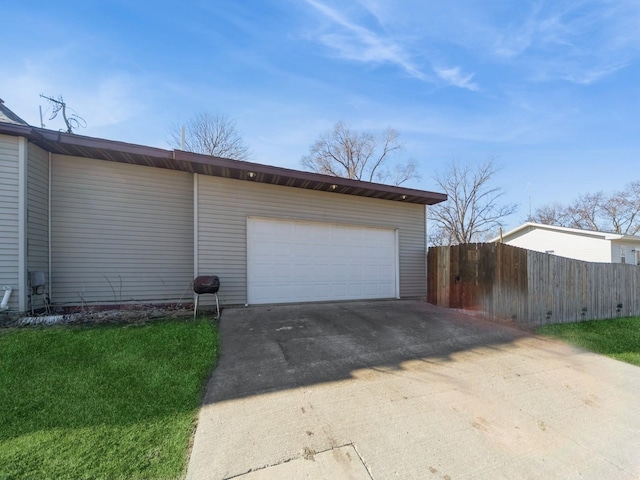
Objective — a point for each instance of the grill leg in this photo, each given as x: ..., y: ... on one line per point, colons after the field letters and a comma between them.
x: 217, y: 307
x: 195, y: 306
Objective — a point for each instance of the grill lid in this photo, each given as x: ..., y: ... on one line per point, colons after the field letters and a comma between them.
x: 206, y: 284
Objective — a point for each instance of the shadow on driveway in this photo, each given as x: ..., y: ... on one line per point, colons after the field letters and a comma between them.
x: 271, y: 348
x: 403, y: 389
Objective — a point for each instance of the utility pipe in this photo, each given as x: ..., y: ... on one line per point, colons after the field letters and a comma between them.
x: 5, y: 300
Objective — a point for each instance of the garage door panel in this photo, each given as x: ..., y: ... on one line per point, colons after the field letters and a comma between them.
x: 339, y: 289
x: 388, y: 292
x: 294, y: 261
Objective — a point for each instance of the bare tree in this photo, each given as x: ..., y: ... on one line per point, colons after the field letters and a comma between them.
x: 618, y: 212
x: 551, y: 214
x: 473, y: 210
x: 584, y: 211
x: 343, y: 152
x: 623, y: 210
x: 210, y: 134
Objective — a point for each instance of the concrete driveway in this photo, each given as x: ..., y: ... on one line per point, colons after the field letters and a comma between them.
x: 403, y: 389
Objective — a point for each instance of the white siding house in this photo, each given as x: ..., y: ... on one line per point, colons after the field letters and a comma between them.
x: 110, y: 223
x: 586, y: 245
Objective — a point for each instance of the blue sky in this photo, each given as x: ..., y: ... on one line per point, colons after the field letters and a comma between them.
x: 549, y: 88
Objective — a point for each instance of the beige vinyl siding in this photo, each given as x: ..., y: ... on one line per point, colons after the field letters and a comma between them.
x: 120, y: 233
x: 225, y: 204
x: 9, y: 214
x: 37, y: 214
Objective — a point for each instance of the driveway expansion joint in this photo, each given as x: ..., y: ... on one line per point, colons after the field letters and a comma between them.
x: 307, y: 454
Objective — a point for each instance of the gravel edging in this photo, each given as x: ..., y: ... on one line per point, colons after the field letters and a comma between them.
x: 96, y: 317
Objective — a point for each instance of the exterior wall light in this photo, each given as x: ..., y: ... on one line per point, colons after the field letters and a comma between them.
x: 251, y: 174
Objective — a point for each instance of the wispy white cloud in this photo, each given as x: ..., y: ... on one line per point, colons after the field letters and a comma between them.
x: 545, y: 120
x: 454, y: 76
x: 355, y: 42
x: 579, y: 41
x: 576, y: 41
x: 589, y: 76
x: 111, y: 100
x: 516, y: 38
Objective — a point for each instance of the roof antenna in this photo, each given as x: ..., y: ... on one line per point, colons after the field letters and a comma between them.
x: 73, y: 121
x: 42, y: 125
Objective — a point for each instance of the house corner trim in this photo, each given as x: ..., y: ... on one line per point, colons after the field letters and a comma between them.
x: 22, y: 224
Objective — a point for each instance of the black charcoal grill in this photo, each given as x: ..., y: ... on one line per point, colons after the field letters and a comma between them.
x: 206, y: 284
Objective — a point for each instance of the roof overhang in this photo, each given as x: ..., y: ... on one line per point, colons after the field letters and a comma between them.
x: 113, y: 151
x: 528, y: 226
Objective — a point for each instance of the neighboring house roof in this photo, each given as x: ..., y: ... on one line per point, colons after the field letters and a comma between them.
x: 89, y: 147
x: 7, y: 116
x: 574, y: 231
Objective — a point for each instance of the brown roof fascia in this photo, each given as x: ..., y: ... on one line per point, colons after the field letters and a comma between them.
x: 284, y: 176
x: 73, y: 140
x: 116, y: 151
x: 15, y: 129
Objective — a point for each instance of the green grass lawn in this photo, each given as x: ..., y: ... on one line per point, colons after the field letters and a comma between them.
x: 617, y: 338
x: 102, y: 401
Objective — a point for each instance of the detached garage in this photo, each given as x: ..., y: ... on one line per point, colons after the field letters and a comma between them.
x: 115, y: 223
x: 312, y: 238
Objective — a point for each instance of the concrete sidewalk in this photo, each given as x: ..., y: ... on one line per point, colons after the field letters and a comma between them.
x: 402, y: 389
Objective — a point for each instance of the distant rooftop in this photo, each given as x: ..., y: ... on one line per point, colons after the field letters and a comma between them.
x: 528, y: 226
x: 7, y: 116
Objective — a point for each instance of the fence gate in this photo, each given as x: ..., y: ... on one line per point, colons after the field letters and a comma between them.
x: 487, y: 277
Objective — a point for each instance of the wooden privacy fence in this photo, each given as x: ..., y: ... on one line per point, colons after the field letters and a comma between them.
x: 530, y: 287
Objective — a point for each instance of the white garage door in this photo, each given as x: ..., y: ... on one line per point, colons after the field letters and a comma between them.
x: 291, y: 261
